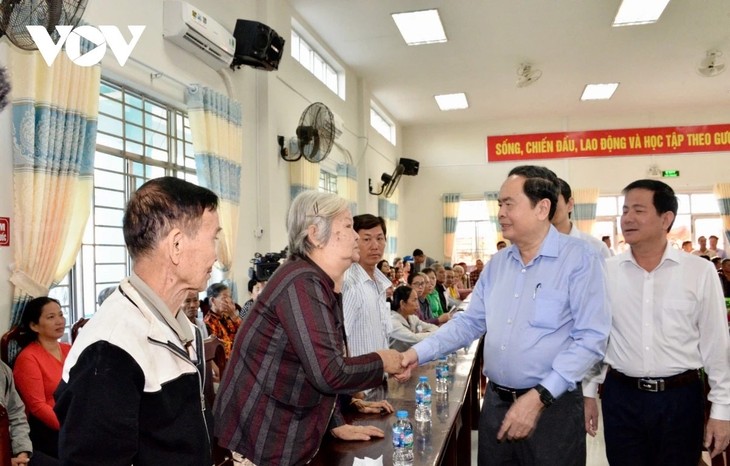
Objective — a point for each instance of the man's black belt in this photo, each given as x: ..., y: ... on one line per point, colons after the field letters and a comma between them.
x: 657, y: 384
x: 508, y: 394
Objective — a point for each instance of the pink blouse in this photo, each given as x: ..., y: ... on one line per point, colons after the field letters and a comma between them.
x: 37, y: 373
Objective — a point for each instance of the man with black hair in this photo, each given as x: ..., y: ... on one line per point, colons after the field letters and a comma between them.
x: 563, y: 213
x: 542, y: 302
x: 669, y: 322
x: 366, y: 310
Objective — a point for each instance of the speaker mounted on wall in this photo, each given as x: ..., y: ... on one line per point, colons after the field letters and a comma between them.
x: 257, y: 45
x: 410, y: 166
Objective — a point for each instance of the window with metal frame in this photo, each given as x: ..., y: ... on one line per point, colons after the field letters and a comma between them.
x: 138, y: 138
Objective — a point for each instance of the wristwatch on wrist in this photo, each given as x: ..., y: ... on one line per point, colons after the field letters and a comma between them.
x: 545, y: 396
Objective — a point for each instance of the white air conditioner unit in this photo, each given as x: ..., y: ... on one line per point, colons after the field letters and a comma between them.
x: 193, y: 30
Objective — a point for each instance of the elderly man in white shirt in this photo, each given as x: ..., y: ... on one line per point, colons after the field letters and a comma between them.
x: 668, y: 322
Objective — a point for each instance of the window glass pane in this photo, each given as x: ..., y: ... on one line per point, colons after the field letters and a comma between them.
x: 110, y: 107
x: 108, y: 217
x: 104, y: 197
x: 133, y: 115
x: 133, y: 132
x: 109, y: 179
x: 132, y: 100
x: 110, y: 273
x: 107, y: 124
x: 111, y: 254
x: 109, y: 235
x: 606, y: 206
x: 705, y: 203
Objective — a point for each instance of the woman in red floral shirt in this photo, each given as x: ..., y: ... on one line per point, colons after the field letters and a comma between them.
x: 222, y: 320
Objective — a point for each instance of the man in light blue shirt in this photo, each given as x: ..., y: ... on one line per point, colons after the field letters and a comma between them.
x: 542, y: 304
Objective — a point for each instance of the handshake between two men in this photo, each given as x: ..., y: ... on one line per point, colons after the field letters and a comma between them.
x: 399, y: 364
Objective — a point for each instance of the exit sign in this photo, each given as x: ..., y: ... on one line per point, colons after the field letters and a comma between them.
x: 670, y: 173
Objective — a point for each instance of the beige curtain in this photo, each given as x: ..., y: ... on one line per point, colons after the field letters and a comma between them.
x: 388, y: 209
x: 347, y: 184
x: 722, y: 193
x: 54, y: 120
x: 216, y: 125
x: 303, y: 175
x: 584, y: 210
x: 451, y: 216
x: 493, y: 212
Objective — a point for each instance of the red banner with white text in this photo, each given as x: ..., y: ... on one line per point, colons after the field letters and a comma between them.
x: 609, y: 143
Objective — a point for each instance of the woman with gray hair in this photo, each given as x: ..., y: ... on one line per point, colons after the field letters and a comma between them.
x: 278, y: 395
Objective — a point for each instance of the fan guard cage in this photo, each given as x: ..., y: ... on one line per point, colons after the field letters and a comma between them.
x: 316, y: 132
x: 15, y: 15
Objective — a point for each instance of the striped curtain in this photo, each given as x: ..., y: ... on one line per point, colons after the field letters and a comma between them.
x: 493, y: 212
x: 722, y: 193
x: 216, y: 125
x: 388, y: 209
x: 584, y: 210
x: 54, y: 119
x: 347, y: 184
x: 303, y: 176
x: 451, y: 216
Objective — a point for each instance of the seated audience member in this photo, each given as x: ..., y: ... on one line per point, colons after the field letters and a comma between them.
x: 465, y: 282
x: 255, y: 286
x: 384, y: 267
x: 397, y: 262
x: 419, y: 282
x: 607, y: 241
x: 453, y: 296
x: 408, y: 329
x: 717, y: 262
x: 474, y: 274
x: 501, y: 245
x: 408, y: 270
x: 714, y: 250
x: 440, y: 285
x: 39, y: 367
x: 20, y: 444
x: 222, y: 320
x: 103, y: 294
x: 687, y: 246
x: 398, y: 278
x: 432, y: 294
x: 725, y: 277
x: 190, y: 307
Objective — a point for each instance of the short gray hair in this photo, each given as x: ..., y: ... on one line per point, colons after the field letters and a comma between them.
x: 312, y: 208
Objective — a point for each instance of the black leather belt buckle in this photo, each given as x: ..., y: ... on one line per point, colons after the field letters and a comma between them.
x: 506, y: 395
x: 651, y: 385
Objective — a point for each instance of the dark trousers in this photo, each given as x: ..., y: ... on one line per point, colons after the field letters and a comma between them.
x: 648, y: 429
x: 558, y: 440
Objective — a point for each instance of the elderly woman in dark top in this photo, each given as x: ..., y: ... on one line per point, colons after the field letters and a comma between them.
x: 277, y: 399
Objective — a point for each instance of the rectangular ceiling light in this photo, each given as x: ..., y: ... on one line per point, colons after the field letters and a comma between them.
x: 633, y: 12
x: 452, y: 101
x: 420, y: 27
x: 599, y: 91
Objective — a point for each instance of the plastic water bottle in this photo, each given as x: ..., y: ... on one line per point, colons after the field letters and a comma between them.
x: 451, y: 361
x: 402, y: 440
x: 423, y: 400
x: 442, y: 406
x: 442, y: 376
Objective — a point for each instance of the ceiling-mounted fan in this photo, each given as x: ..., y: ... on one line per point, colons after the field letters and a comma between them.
x: 526, y: 75
x: 15, y: 15
x: 710, y: 65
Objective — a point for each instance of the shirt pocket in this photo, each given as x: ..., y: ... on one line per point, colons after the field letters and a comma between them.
x: 678, y: 316
x: 551, y: 309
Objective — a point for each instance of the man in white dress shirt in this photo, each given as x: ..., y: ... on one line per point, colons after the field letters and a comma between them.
x: 365, y: 308
x: 561, y: 220
x: 668, y: 322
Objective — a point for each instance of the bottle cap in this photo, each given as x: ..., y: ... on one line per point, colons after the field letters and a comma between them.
x: 402, y: 414
x: 423, y: 378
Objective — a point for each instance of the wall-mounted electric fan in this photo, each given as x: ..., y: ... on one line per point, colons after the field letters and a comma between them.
x: 15, y: 15
x: 315, y: 135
